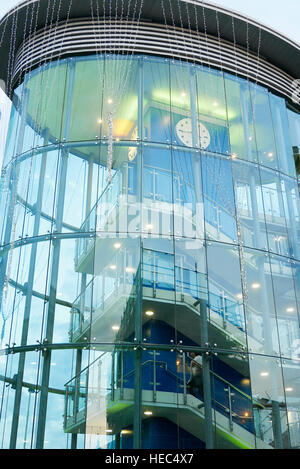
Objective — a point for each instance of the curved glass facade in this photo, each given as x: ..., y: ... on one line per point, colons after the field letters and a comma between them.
x: 149, y: 212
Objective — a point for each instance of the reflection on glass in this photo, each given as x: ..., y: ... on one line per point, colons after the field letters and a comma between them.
x: 149, y: 225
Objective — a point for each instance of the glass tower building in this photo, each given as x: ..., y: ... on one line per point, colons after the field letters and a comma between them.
x: 149, y: 229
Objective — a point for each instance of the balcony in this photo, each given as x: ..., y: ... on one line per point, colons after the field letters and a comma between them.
x: 104, y: 403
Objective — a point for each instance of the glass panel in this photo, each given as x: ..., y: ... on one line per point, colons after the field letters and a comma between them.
x: 85, y: 113
x: 183, y: 105
x: 46, y: 96
x: 291, y: 200
x: 290, y: 370
x: 157, y: 216
x: 294, y: 124
x: 158, y: 280
x: 262, y: 327
x: 16, y: 116
x: 264, y: 132
x: 163, y: 384
x: 281, y: 131
x: 240, y: 119
x: 219, y: 200
x: 249, y: 205
x: 212, y: 112
x: 110, y: 399
x: 115, y: 311
x: 226, y: 313
x: 187, y: 193
x: 232, y: 401
x: 157, y: 119
x: 191, y: 290
x: 114, y: 101
x: 269, y: 407
x: 285, y: 303
x: 274, y: 212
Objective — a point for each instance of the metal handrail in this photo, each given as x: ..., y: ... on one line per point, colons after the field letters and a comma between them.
x: 164, y: 364
x: 199, y: 290
x: 224, y: 381
x: 107, y: 187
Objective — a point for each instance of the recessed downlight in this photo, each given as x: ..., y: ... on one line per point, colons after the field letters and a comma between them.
x: 149, y: 313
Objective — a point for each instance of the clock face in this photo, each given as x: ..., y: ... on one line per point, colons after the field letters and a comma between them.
x: 184, y: 133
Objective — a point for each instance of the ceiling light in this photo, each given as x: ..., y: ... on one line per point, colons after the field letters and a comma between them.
x: 290, y: 310
x: 149, y: 313
x: 239, y: 296
x: 289, y: 389
x: 264, y: 373
x: 113, y: 267
x: 233, y: 156
x: 130, y: 270
x: 117, y: 245
x: 255, y: 285
x: 270, y: 155
x: 108, y: 430
x: 149, y: 226
x: 148, y: 412
x: 115, y: 328
x: 109, y: 100
x: 99, y: 121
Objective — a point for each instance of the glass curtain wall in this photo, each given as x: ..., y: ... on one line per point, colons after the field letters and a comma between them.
x: 149, y: 260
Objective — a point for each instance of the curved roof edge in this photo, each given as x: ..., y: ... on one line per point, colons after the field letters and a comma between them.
x: 248, y: 33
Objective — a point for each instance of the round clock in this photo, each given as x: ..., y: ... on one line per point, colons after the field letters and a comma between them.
x: 184, y: 133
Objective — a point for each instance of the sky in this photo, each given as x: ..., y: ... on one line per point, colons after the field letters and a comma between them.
x: 269, y: 12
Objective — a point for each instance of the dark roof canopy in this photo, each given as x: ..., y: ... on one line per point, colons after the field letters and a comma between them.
x: 247, y: 33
